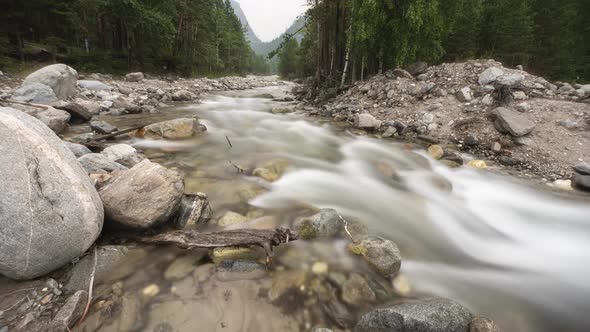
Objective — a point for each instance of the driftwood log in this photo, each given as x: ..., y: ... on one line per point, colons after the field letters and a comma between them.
x: 190, y: 239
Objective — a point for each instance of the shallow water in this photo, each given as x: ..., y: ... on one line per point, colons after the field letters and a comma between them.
x: 515, y: 253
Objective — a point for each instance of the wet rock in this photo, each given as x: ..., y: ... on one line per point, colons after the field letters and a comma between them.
x: 508, y: 161
x: 490, y: 75
x: 70, y: 312
x: 321, y: 329
x: 240, y: 270
x: 144, y: 196
x: 102, y: 127
x: 194, y: 210
x: 107, y: 258
x: 96, y: 163
x: 285, y: 282
x: 135, y: 77
x: 380, y: 253
x: 453, y: 157
x: 123, y: 154
x: 428, y: 315
x: 482, y: 324
x: 581, y: 182
x: 326, y: 223
x: 182, y: 95
x: 366, y: 121
x: 282, y: 110
x: 562, y: 184
x: 231, y: 218
x: 510, y: 80
x: 271, y: 170
x: 184, y: 265
x: 389, y: 132
x: 436, y: 152
x: 59, y: 77
x: 464, y: 95
x: 496, y: 147
x: 582, y: 168
x: 149, y: 292
x: 130, y: 318
x: 173, y: 129
x: 77, y: 149
x: 479, y: 164
x: 320, y: 268
x: 219, y: 255
x: 49, y: 185
x: 356, y: 291
x: 513, y: 123
x: 93, y: 85
x: 264, y: 96
x: 35, y: 93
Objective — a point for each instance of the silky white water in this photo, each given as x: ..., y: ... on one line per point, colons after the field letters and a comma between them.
x: 513, y: 252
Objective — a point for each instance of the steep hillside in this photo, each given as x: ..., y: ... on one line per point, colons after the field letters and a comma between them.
x: 250, y: 34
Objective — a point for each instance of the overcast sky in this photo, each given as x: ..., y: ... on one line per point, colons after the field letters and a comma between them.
x: 270, y: 18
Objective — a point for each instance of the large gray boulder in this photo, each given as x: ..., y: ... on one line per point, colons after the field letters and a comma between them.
x: 36, y: 93
x: 513, y: 123
x: 50, y: 211
x: 490, y: 75
x: 60, y: 78
x: 428, y: 315
x: 142, y: 197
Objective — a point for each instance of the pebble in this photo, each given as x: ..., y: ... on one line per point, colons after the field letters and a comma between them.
x: 319, y: 268
x: 150, y: 292
x: 402, y: 285
x: 479, y: 164
x: 183, y: 266
x: 356, y: 291
x: 436, y: 151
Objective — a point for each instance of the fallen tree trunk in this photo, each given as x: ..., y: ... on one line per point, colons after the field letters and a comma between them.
x: 190, y: 239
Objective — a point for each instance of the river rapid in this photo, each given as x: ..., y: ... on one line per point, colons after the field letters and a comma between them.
x: 507, y: 250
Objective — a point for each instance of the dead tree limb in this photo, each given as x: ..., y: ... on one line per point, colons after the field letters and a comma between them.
x: 25, y: 104
x: 190, y: 239
x: 90, y: 287
x: 113, y: 135
x: 238, y: 168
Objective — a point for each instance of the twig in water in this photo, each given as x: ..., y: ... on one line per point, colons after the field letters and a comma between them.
x: 240, y: 170
x: 17, y: 291
x: 346, y: 228
x: 229, y: 142
x: 90, y: 286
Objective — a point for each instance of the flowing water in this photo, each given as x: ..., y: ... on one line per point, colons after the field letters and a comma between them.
x: 512, y: 252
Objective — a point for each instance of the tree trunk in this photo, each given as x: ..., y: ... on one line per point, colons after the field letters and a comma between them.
x: 318, y: 69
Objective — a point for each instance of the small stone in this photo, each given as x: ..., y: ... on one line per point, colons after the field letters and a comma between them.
x: 95, y: 163
x: 479, y: 164
x: 582, y: 168
x: 102, y: 127
x: 519, y: 95
x: 150, y: 292
x: 464, y: 95
x: 356, y: 291
x: 471, y: 140
x: 219, y: 255
x: 183, y: 266
x: 523, y: 107
x: 382, y: 254
x: 389, y: 132
x: 366, y: 121
x: 326, y: 223
x: 496, y: 147
x: 436, y: 151
x: 402, y: 285
x: 581, y: 182
x: 229, y: 270
x: 70, y: 312
x: 123, y: 154
x: 231, y: 218
x: 562, y: 184
x: 482, y: 324
x: 286, y: 281
x: 319, y: 268
x: 130, y: 318
x: 487, y: 100
x: 507, y: 161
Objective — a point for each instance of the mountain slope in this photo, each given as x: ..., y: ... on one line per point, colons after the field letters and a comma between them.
x: 258, y: 46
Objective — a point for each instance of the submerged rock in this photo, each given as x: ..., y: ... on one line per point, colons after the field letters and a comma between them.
x: 107, y: 258
x: 231, y: 218
x: 326, y: 223
x: 144, y: 196
x: 428, y: 315
x: 173, y: 129
x: 59, y: 77
x: 380, y: 253
x: 70, y: 312
x: 46, y: 184
x: 356, y: 291
x: 482, y: 324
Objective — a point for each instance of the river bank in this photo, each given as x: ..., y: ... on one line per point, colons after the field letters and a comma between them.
x: 261, y: 169
x: 537, y: 131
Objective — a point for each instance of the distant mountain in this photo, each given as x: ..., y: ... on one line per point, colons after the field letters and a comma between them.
x: 250, y: 34
x: 260, y: 47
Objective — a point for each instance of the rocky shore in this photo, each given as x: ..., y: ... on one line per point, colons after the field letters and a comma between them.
x: 76, y: 217
x: 476, y: 113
